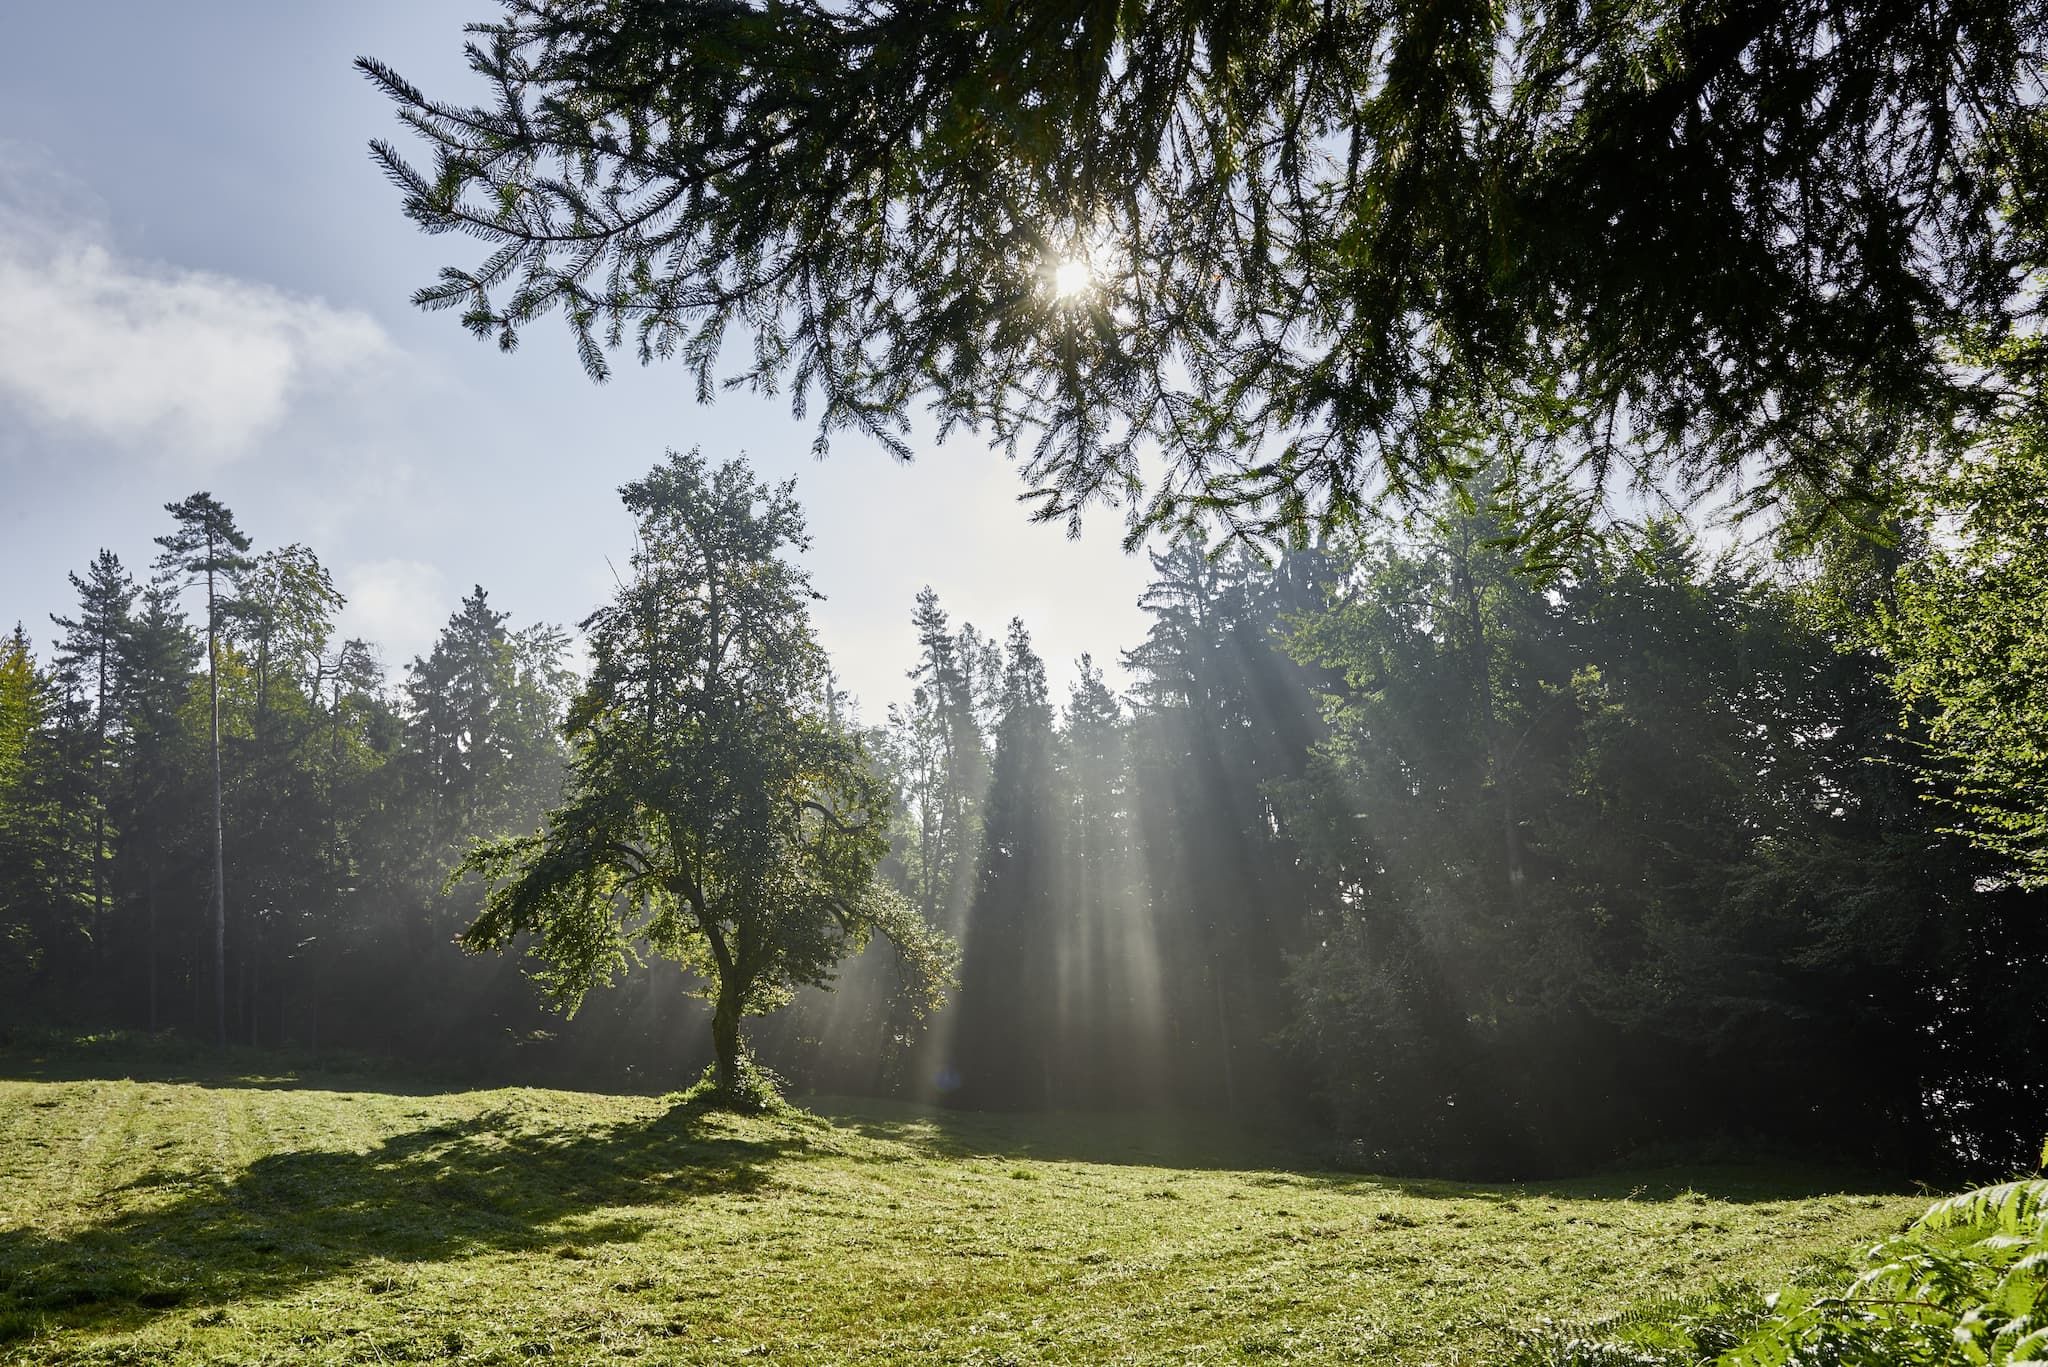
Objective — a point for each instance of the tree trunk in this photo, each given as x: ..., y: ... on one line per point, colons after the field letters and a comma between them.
x: 152, y: 945
x: 220, y: 881
x: 1229, y: 1071
x: 252, y: 956
x: 103, y: 940
x: 725, y: 1040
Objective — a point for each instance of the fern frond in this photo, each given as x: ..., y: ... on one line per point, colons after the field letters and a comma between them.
x: 2019, y: 1207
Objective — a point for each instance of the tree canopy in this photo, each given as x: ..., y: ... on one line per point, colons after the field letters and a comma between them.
x: 1313, y: 251
x: 716, y: 809
x: 1969, y: 635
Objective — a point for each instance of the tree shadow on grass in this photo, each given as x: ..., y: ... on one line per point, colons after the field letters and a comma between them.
x: 1727, y: 1183
x: 488, y: 1184
x: 1134, y: 1138
x: 1272, y: 1156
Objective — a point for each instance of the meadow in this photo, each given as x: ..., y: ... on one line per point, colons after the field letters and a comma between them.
x: 162, y: 1209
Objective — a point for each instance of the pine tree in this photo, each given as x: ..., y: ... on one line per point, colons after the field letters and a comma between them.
x: 1223, y: 720
x: 207, y: 547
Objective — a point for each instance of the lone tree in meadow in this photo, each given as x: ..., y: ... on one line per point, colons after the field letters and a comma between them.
x: 717, y: 811
x: 1313, y: 251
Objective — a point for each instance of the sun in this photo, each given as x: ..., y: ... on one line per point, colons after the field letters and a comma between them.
x: 1072, y: 277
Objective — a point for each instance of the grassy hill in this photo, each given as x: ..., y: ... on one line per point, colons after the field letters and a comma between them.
x: 198, y: 1215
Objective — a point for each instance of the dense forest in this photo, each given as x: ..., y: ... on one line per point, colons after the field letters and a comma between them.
x: 1473, y: 863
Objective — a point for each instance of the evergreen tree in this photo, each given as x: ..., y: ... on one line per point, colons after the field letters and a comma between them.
x: 452, y: 698
x: 90, y: 651
x: 45, y: 889
x: 1223, y: 718
x: 1611, y: 864
x: 278, y: 626
x: 1003, y: 1045
x: 1110, y: 1004
x: 1320, y: 244
x: 207, y: 547
x: 947, y: 732
x: 159, y: 662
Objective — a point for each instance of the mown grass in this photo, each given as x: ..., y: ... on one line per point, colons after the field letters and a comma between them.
x: 267, y: 1217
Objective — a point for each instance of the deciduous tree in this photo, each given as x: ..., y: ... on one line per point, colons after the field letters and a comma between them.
x: 716, y: 812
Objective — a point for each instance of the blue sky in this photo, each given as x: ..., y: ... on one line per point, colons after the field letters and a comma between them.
x: 203, y: 284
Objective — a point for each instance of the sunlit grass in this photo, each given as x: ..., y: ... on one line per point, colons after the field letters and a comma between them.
x: 279, y: 1219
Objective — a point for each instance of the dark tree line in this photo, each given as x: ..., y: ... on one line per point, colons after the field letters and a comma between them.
x: 1474, y: 866
x: 344, y: 798
x: 1480, y: 868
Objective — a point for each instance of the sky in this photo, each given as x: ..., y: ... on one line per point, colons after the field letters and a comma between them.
x: 204, y: 284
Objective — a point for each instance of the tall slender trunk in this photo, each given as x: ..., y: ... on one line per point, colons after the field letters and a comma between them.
x: 99, y: 812
x: 252, y: 974
x: 151, y: 894
x: 1228, y: 1068
x: 220, y: 878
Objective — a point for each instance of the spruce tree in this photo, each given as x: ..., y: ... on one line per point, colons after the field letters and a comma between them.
x: 1306, y: 253
x: 91, y: 649
x: 159, y: 657
x: 1005, y: 1038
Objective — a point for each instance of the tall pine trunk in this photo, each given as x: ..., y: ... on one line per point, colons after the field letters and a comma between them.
x: 99, y: 813
x: 220, y: 881
x: 152, y: 944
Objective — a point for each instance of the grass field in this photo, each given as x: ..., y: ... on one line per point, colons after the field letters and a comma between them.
x: 221, y: 1218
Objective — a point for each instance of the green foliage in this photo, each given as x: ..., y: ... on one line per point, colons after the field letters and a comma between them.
x: 716, y: 811
x: 753, y: 1089
x: 46, y: 843
x: 1965, y: 1285
x: 1327, y: 245
x: 1968, y: 639
x: 1221, y: 718
x: 1609, y: 863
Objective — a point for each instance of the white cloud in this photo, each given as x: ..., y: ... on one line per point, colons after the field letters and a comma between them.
x: 398, y: 606
x: 194, y: 362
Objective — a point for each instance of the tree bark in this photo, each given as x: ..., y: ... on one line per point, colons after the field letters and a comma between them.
x: 725, y: 1040
x: 220, y: 881
x: 152, y: 944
